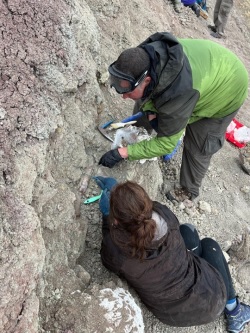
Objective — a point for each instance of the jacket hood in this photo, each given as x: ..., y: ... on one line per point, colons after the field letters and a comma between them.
x: 166, y: 59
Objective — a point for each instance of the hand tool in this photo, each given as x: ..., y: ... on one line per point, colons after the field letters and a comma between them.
x: 119, y: 125
x: 93, y: 199
x: 133, y: 117
x: 102, y: 130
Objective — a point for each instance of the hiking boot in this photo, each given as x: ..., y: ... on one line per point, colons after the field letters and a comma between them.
x: 212, y: 27
x: 238, y: 318
x: 180, y: 194
x: 217, y: 35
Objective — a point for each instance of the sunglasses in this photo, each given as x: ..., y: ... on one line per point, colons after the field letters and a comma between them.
x: 124, y: 83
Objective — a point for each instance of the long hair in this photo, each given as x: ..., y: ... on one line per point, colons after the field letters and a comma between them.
x: 131, y: 207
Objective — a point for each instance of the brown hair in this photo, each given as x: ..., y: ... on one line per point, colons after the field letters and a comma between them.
x: 133, y: 61
x: 132, y: 208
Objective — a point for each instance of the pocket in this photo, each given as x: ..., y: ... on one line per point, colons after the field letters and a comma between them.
x: 213, y: 143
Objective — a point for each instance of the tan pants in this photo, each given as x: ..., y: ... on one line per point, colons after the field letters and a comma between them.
x: 221, y: 12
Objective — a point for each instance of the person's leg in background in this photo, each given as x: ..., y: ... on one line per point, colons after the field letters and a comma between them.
x: 216, y: 14
x: 202, y: 139
x: 221, y: 13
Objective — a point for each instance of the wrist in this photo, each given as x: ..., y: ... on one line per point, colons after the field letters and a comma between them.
x: 123, y: 152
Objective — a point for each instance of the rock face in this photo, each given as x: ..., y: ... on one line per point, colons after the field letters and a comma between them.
x: 53, y: 93
x: 22, y: 261
x: 48, y: 56
x: 53, y: 87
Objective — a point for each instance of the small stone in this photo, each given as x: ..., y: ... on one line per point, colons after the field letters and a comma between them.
x: 245, y: 189
x: 182, y: 206
x: 204, y: 206
x: 190, y: 211
x: 227, y: 245
x: 82, y: 274
x: 2, y: 113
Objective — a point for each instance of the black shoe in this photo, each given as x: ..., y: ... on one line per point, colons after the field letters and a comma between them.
x: 217, y: 35
x: 180, y: 194
x: 212, y: 27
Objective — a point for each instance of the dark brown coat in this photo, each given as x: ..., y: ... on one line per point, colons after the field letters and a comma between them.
x: 180, y: 288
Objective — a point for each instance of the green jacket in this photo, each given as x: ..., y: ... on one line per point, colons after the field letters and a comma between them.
x: 194, y: 79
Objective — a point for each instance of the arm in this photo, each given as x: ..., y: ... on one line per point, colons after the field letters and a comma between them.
x: 173, y: 115
x: 157, y: 146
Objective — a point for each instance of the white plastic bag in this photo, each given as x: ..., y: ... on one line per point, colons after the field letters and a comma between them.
x: 125, y: 136
x: 129, y: 135
x: 242, y: 134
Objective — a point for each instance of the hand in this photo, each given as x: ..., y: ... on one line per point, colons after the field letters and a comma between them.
x: 105, y: 182
x: 123, y: 151
x: 104, y: 202
x: 110, y: 158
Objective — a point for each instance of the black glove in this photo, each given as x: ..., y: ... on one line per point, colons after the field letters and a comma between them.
x: 110, y: 158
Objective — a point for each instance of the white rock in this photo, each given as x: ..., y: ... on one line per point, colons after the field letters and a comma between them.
x: 204, y: 206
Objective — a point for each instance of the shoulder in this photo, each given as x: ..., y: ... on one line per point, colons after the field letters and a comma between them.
x: 165, y: 212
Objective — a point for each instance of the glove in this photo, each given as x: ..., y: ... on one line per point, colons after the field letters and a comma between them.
x: 105, y: 182
x: 104, y: 202
x: 110, y: 158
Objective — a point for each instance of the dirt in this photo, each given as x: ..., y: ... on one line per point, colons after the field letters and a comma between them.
x: 222, y: 209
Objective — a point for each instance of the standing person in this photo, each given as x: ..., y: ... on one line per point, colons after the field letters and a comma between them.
x: 221, y: 12
x: 190, y: 85
x: 183, y: 280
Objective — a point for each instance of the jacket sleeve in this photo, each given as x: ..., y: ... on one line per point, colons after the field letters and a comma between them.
x: 155, y: 147
x: 111, y: 255
x: 174, y: 113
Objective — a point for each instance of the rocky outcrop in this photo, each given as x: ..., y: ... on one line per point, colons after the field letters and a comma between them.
x: 48, y: 64
x: 53, y: 77
x: 53, y: 93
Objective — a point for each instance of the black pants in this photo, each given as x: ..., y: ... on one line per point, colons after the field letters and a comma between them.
x: 210, y: 250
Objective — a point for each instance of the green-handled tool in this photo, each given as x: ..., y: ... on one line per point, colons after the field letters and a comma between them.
x: 93, y: 199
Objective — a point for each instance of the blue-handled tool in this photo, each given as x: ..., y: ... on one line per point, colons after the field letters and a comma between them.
x: 107, y: 124
x: 102, y: 128
x: 127, y: 121
x: 133, y: 117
